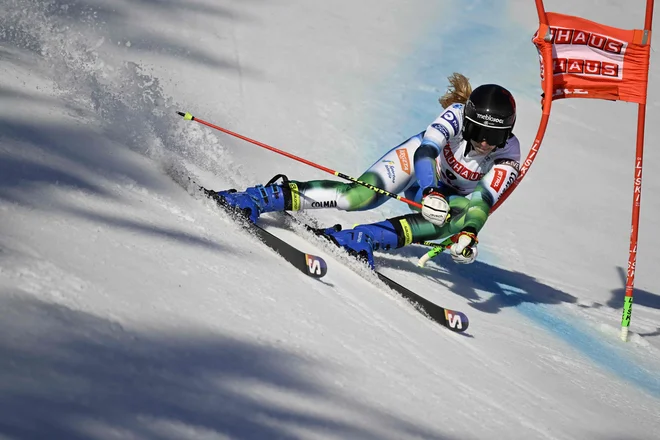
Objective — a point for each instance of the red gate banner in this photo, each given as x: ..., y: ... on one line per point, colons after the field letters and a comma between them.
x: 591, y: 60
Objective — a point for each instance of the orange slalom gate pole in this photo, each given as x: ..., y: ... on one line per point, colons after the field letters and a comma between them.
x: 637, y: 199
x: 543, y: 34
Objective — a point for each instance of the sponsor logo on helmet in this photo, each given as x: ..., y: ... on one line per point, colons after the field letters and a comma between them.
x: 490, y: 118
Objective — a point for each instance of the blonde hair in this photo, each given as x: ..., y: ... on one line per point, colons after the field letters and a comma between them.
x: 458, y: 91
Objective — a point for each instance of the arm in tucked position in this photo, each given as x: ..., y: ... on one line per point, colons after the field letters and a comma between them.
x: 468, y: 214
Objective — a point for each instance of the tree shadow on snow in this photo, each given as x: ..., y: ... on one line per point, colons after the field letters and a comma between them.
x: 115, y: 23
x: 38, y: 161
x: 487, y: 288
x: 89, y: 53
x: 68, y: 374
x: 90, y: 72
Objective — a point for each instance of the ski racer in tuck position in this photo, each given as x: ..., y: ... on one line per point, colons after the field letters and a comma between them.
x: 457, y: 168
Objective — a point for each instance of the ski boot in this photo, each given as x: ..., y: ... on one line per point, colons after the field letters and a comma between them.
x: 252, y: 202
x: 363, y: 240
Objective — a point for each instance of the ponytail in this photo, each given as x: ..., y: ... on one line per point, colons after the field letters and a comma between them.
x: 458, y: 91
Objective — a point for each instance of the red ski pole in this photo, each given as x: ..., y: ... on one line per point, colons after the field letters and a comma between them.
x: 189, y: 117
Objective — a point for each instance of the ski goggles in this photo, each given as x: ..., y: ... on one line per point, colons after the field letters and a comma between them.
x: 492, y: 135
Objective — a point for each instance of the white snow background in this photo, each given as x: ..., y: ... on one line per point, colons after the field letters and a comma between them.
x: 131, y: 310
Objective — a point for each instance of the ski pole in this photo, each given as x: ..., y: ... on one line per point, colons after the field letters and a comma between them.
x: 189, y: 117
x: 438, y: 248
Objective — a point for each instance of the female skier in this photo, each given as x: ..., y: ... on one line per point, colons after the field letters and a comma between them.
x: 457, y: 168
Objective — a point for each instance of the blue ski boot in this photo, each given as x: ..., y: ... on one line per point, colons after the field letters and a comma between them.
x: 363, y: 240
x: 254, y: 201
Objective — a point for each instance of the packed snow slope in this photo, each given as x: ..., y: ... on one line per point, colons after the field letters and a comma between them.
x: 131, y: 310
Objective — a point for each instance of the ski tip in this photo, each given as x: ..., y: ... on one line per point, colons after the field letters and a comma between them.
x: 456, y: 321
x: 316, y: 266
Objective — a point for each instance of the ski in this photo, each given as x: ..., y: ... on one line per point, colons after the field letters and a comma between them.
x: 316, y: 266
x: 452, y: 319
x: 311, y: 265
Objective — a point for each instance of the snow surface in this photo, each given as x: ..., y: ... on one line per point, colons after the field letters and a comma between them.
x: 131, y: 310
